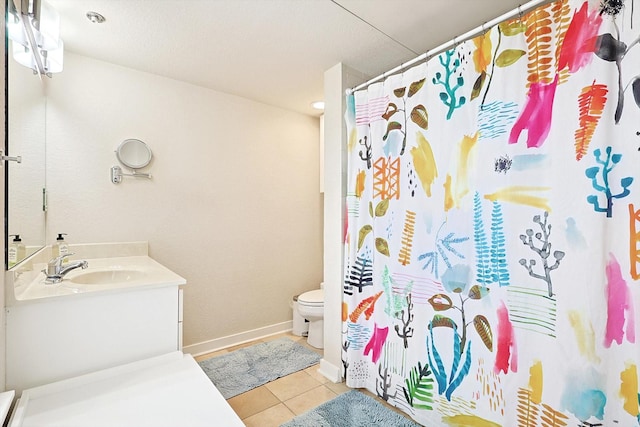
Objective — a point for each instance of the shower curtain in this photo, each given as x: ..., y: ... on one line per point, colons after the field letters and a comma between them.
x: 492, y: 251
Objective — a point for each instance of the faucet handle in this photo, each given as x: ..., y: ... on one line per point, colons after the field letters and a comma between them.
x: 58, y: 260
x: 54, y: 264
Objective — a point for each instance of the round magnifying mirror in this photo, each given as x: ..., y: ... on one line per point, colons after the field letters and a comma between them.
x: 134, y: 153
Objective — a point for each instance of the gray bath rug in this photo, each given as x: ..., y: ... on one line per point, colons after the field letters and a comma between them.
x: 250, y: 367
x: 351, y: 409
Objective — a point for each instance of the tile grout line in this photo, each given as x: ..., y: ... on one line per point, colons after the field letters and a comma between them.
x: 315, y: 388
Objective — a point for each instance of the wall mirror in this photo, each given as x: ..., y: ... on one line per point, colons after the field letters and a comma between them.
x: 25, y: 181
x: 134, y: 154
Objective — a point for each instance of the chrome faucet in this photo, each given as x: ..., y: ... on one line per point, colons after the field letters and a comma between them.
x: 55, y: 271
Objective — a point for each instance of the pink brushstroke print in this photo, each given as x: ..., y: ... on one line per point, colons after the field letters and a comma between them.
x: 618, y: 303
x: 580, y: 40
x: 536, y: 115
x: 507, y: 352
x: 372, y: 111
x: 376, y: 342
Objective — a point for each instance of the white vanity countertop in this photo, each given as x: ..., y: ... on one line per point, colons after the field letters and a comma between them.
x: 166, y: 391
x: 102, y: 275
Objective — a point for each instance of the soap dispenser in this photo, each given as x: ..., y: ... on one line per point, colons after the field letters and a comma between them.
x: 17, y: 250
x: 60, y: 247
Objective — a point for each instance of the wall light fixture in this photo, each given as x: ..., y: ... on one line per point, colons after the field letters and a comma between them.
x: 33, y: 27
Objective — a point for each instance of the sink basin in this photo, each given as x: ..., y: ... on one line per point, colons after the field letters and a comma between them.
x: 105, y: 277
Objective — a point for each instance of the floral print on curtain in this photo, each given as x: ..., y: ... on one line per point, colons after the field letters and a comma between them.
x: 492, y: 253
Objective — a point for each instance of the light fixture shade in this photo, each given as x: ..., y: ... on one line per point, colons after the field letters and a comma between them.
x: 35, y: 35
x: 43, y: 20
x: 15, y: 29
x: 23, y: 55
x: 53, y: 62
x: 49, y: 27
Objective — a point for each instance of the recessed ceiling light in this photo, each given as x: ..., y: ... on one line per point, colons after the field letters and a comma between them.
x: 318, y: 105
x: 95, y: 17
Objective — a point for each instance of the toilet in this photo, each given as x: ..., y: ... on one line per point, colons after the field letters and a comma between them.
x: 311, y: 307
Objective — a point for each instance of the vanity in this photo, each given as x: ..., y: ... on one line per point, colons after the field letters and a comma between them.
x: 124, y: 307
x: 102, y: 345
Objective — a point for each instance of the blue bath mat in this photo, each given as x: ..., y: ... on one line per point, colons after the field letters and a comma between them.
x: 351, y: 409
x: 250, y: 367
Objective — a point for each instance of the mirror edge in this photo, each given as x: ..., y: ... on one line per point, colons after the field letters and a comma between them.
x: 127, y: 163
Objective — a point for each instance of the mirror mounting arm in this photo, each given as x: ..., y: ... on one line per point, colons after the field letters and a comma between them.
x: 117, y: 174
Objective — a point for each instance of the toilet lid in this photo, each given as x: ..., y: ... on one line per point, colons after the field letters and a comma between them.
x: 315, y: 297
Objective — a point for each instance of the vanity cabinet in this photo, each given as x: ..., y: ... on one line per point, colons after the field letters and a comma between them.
x: 59, y: 338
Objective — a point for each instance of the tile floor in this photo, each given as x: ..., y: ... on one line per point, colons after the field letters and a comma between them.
x: 283, y: 399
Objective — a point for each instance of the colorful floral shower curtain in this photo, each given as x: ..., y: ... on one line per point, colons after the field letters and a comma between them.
x: 493, y: 243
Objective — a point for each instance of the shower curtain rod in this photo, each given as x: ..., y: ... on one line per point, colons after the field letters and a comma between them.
x: 456, y: 40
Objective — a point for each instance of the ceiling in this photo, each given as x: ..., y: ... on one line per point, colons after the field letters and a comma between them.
x: 270, y: 51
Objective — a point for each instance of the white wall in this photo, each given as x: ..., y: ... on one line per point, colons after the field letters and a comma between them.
x: 233, y: 206
x: 336, y: 80
x: 2, y: 123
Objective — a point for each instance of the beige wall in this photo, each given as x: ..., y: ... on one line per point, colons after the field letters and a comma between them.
x: 234, y: 203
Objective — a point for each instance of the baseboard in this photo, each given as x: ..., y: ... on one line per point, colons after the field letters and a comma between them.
x: 237, y: 339
x: 330, y: 371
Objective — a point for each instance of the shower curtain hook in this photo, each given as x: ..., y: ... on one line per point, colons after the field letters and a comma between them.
x: 520, y: 12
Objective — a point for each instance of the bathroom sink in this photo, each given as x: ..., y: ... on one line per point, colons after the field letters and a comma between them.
x: 129, y: 272
x: 105, y: 277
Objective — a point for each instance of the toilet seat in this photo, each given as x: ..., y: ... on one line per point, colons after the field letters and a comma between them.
x: 313, y: 298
